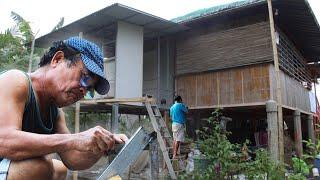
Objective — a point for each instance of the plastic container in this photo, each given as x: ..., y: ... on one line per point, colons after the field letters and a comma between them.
x: 317, y: 162
x: 201, y: 163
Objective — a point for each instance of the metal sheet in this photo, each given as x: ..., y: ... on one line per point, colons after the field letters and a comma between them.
x: 106, y: 17
x: 128, y: 154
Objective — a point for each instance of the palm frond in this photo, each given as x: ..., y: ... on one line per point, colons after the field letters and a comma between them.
x: 24, y: 27
x: 59, y: 25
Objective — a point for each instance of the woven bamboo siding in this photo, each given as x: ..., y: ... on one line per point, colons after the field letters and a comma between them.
x: 239, y: 46
x: 293, y: 93
x: 207, y: 89
x: 186, y: 86
x: 236, y: 86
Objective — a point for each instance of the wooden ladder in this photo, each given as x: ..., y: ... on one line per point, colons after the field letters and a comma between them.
x: 163, y: 134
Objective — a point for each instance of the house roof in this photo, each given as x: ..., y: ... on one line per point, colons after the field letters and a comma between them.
x: 295, y: 17
x: 198, y: 14
x: 103, y: 24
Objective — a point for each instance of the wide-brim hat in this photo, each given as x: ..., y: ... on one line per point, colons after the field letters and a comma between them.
x: 92, y: 58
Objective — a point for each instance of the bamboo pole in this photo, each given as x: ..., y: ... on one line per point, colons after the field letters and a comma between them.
x: 76, y: 130
x: 278, y: 83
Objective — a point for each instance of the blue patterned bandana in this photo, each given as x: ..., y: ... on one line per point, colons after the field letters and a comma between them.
x: 92, y: 58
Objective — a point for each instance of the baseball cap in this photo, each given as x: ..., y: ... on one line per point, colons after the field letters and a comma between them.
x: 92, y: 58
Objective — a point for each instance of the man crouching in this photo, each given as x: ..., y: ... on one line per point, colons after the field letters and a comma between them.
x: 32, y: 125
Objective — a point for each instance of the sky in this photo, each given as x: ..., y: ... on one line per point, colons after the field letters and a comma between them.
x: 44, y: 15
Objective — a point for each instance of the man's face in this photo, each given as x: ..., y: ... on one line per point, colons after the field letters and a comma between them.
x: 67, y: 81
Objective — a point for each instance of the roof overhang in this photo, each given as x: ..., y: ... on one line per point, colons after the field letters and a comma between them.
x: 300, y: 24
x: 102, y: 24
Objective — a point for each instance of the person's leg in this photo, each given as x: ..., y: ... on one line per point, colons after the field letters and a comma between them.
x: 174, y: 149
x: 60, y: 170
x: 177, y: 147
x: 36, y: 168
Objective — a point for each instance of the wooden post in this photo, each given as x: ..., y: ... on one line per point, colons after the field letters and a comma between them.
x: 311, y: 134
x: 115, y: 118
x: 297, y: 132
x: 271, y: 107
x: 158, y: 69
x: 167, y: 120
x: 278, y: 84
x: 154, y: 160
x: 76, y: 130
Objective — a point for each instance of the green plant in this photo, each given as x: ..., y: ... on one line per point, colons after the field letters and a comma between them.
x: 227, y: 160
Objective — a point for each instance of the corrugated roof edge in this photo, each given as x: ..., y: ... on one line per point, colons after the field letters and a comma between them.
x: 312, y: 13
x: 214, y: 10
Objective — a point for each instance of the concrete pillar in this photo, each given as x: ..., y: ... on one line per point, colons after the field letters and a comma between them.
x: 272, y: 118
x: 311, y: 134
x: 297, y: 132
x: 154, y: 160
x: 129, y: 60
x: 115, y: 118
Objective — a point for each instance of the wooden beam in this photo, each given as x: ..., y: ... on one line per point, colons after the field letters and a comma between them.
x: 311, y: 134
x: 228, y: 105
x: 271, y: 108
x: 115, y: 118
x: 117, y: 100
x: 278, y: 92
x: 297, y: 132
x: 158, y: 68
x: 218, y: 88
x: 242, y: 87
x: 76, y: 130
x: 293, y: 109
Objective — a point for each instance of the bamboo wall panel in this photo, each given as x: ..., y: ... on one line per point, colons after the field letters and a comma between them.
x: 206, y: 89
x: 230, y: 86
x: 293, y: 93
x: 256, y: 84
x: 186, y: 88
x: 249, y: 44
x: 243, y: 85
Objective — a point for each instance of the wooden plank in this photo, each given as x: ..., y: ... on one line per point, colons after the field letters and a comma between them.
x: 186, y: 88
x: 228, y: 105
x: 247, y: 84
x: 117, y: 100
x: 293, y: 93
x: 206, y: 89
x: 237, y: 86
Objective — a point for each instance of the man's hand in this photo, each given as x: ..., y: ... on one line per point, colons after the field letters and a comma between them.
x: 120, y: 138
x: 98, y: 140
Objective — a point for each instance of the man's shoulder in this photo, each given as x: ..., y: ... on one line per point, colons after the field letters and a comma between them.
x: 14, y: 80
x: 13, y: 74
x: 173, y: 106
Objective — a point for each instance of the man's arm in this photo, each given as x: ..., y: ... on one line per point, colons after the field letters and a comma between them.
x: 75, y: 159
x: 184, y: 108
x: 14, y: 143
x: 18, y: 145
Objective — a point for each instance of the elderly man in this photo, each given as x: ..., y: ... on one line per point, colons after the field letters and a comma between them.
x: 32, y: 125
